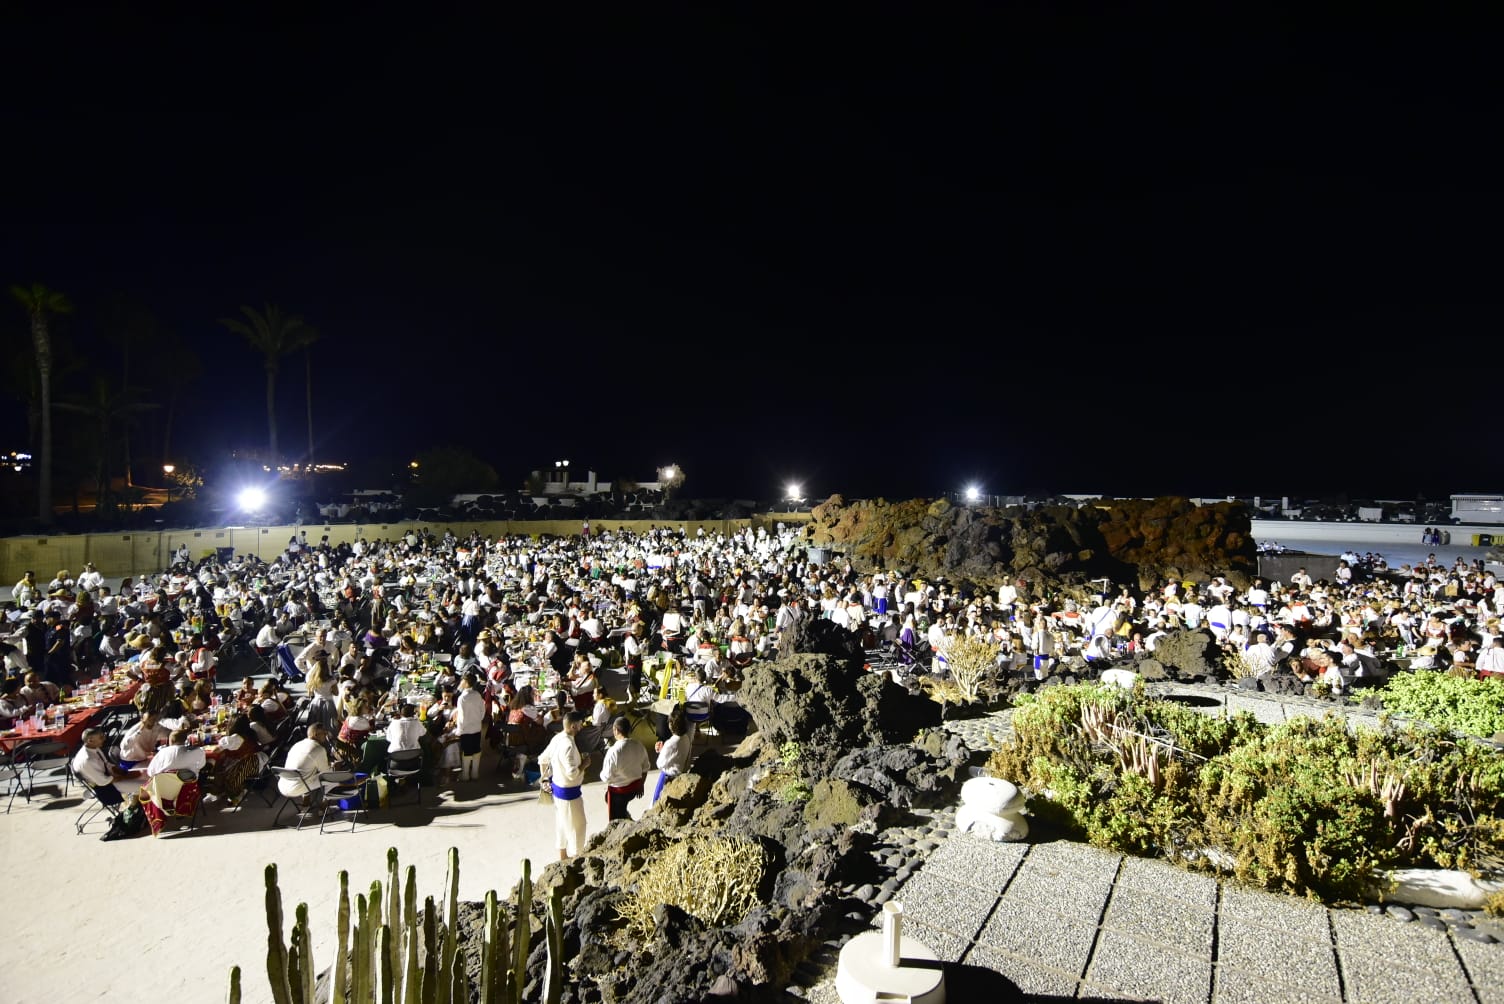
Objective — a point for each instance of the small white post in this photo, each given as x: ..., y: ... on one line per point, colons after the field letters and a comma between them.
x: 892, y: 933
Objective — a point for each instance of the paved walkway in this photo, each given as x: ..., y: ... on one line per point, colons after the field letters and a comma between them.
x: 1062, y: 920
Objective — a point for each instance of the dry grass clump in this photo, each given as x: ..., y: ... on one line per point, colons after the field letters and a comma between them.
x: 713, y: 878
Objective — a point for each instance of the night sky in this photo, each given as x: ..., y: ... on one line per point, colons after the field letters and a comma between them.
x: 884, y: 253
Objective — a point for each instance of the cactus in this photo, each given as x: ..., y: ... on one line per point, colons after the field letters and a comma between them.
x: 377, y: 956
x: 234, y: 997
x: 276, y: 949
x: 447, y: 962
x: 520, y: 937
x: 553, y: 977
x: 411, y: 982
x: 342, y: 949
x: 301, y: 967
x: 430, y: 953
x: 360, y: 963
x: 384, y: 951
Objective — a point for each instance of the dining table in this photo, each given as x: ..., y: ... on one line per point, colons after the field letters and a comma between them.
x: 83, y: 707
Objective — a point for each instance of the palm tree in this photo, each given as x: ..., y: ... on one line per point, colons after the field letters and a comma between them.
x: 274, y: 335
x: 109, y: 413
x: 41, y: 303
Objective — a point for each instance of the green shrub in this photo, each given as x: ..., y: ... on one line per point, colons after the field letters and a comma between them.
x: 1310, y: 806
x: 1470, y: 706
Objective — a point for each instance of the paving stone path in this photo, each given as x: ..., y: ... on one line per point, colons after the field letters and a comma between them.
x: 1058, y: 920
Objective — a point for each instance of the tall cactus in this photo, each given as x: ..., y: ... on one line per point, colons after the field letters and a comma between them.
x: 377, y: 958
x: 520, y: 937
x: 384, y: 951
x: 394, y: 912
x: 553, y: 976
x: 342, y: 947
x: 451, y: 922
x: 276, y: 948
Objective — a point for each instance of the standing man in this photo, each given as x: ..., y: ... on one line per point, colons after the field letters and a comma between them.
x: 469, y: 723
x: 563, y: 770
x: 624, y: 769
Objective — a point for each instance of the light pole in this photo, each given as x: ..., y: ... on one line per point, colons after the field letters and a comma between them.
x: 168, y: 470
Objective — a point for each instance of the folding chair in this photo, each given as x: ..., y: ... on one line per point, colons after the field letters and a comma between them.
x: 292, y: 774
x: 337, y: 785
x: 93, y: 806
x: 44, y: 758
x: 404, y: 764
x: 165, y: 791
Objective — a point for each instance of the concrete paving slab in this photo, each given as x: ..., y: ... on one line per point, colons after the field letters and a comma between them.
x: 1267, y: 711
x: 1164, y: 879
x: 1279, y: 953
x: 1372, y: 976
x: 1271, y: 910
x: 1236, y: 986
x: 1024, y: 972
x: 1173, y: 924
x: 944, y: 905
x: 1052, y: 939
x: 976, y: 862
x: 1130, y: 965
x: 1485, y: 968
x: 947, y: 945
x: 1408, y: 945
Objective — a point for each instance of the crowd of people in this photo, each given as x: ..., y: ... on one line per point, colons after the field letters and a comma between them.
x: 512, y: 643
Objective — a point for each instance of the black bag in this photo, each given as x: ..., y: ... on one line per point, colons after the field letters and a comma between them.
x: 130, y: 822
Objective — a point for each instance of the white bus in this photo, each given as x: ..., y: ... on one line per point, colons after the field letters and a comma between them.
x: 1478, y: 508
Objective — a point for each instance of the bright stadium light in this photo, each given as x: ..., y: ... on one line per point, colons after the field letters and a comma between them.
x: 973, y: 493
x: 793, y: 490
x: 251, y: 499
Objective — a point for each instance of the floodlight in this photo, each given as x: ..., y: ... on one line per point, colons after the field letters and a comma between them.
x: 251, y: 499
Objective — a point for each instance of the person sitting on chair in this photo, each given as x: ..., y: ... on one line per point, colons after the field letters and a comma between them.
x: 177, y: 755
x: 310, y: 758
x: 92, y: 766
x: 139, y: 743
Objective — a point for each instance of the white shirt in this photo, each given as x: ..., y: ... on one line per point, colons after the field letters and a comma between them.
x: 404, y: 734
x: 625, y: 762
x: 175, y: 758
x: 469, y: 711
x: 677, y: 751
x: 140, y: 743
x: 562, y: 762
x: 92, y: 767
x: 309, y: 759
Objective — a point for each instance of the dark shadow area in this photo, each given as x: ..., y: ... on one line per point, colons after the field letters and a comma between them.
x: 1192, y: 700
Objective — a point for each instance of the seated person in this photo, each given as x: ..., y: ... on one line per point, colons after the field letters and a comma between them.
x: 263, y: 734
x: 14, y: 707
x: 405, y: 731
x: 310, y: 758
x: 247, y: 694
x: 357, y: 725
x: 177, y: 755
x: 92, y: 766
x: 234, y: 761
x: 39, y: 692
x: 140, y: 742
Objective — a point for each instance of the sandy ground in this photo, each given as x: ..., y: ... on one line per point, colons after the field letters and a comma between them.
x: 164, y: 919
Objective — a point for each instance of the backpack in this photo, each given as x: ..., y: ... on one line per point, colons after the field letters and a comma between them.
x: 130, y: 822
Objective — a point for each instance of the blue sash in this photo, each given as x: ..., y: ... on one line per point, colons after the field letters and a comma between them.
x: 567, y: 794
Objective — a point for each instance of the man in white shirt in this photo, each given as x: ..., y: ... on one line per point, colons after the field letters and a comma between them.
x: 563, y: 768
x: 1260, y: 655
x: 177, y: 755
x: 310, y: 758
x: 139, y: 743
x: 624, y: 769
x: 1491, y: 659
x: 90, y: 579
x: 91, y: 766
x: 405, y: 732
x: 469, y: 720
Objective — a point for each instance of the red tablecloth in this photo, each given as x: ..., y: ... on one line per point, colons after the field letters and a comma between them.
x: 79, y: 718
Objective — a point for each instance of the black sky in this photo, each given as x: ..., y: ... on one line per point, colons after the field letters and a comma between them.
x: 883, y: 252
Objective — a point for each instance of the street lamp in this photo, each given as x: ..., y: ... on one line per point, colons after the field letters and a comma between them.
x: 168, y: 470
x: 793, y: 492
x: 973, y: 494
